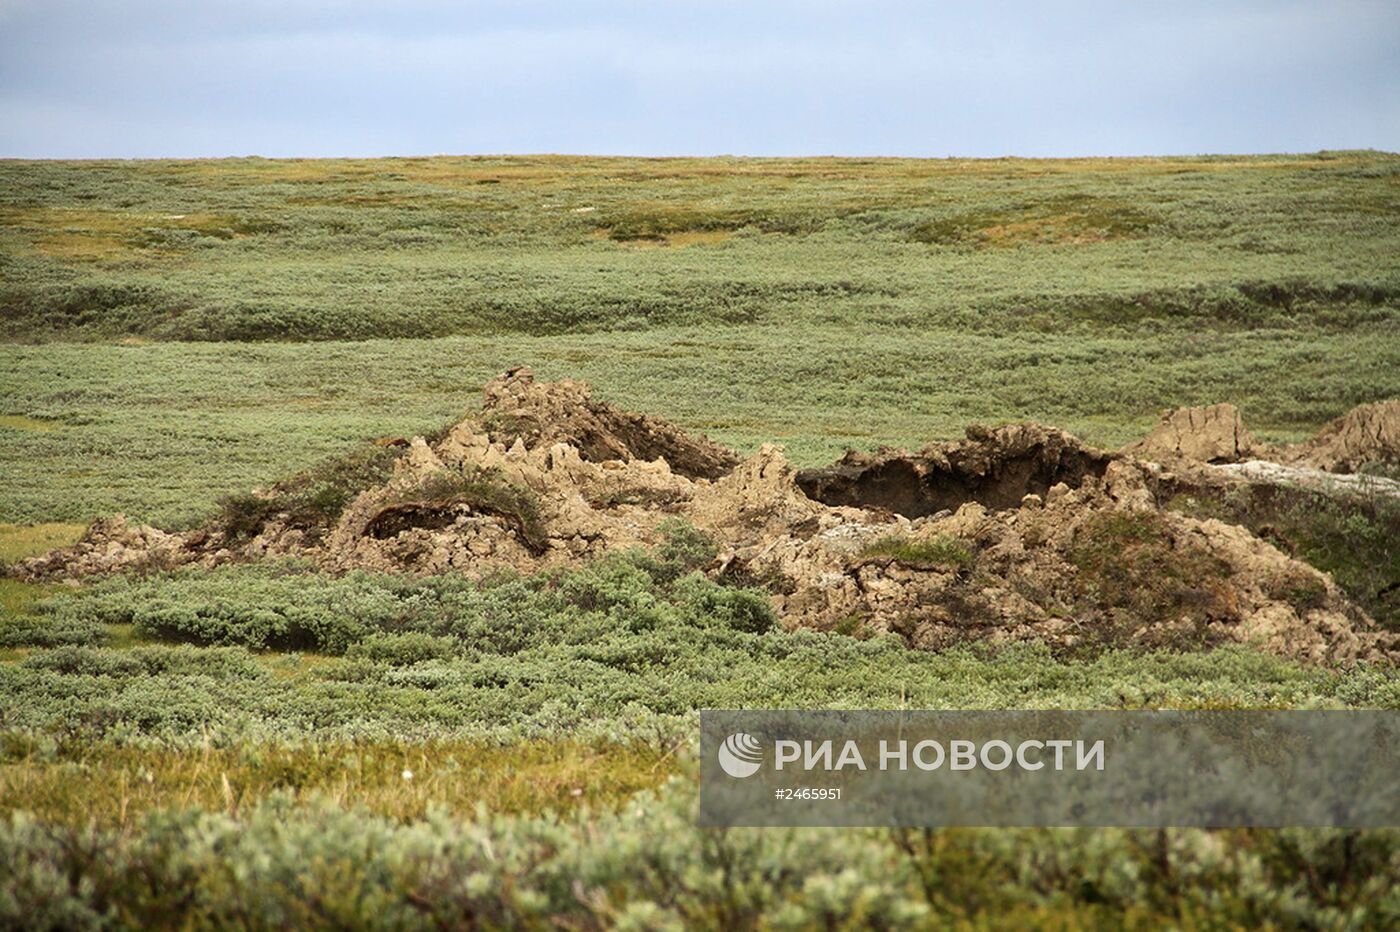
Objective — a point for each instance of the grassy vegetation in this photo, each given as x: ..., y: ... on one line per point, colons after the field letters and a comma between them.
x: 1089, y: 294
x: 649, y: 866
x: 260, y: 746
x: 163, y: 432
x: 18, y: 541
x: 117, y: 786
x: 936, y: 551
x: 246, y: 249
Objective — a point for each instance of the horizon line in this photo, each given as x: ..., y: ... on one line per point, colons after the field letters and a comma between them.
x: 714, y: 156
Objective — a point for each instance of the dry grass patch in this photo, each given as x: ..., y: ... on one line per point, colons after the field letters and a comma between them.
x: 21, y: 422
x: 18, y: 598
x: 87, y: 234
x: 18, y: 541
x: 1067, y: 220
x: 115, y: 786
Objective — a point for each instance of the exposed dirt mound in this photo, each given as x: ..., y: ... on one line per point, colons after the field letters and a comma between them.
x: 1366, y: 435
x: 1016, y: 532
x: 1089, y: 568
x: 995, y: 467
x: 112, y: 545
x: 545, y: 413
x: 1210, y: 434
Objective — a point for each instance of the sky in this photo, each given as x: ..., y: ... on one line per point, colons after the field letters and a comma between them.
x: 184, y: 78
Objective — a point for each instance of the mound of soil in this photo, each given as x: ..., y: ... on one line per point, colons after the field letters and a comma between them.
x: 545, y: 413
x: 1018, y: 532
x: 112, y: 545
x: 1210, y: 434
x: 1366, y: 435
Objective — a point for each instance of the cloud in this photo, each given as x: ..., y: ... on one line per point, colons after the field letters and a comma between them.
x: 162, y: 77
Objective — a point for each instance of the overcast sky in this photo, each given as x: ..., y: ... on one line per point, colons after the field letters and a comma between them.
x: 138, y: 78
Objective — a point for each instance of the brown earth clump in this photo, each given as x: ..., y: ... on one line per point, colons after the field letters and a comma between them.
x: 1366, y: 435
x: 1016, y: 532
x: 1209, y: 434
x: 112, y: 545
x: 545, y: 413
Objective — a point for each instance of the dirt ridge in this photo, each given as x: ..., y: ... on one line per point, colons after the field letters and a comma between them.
x: 1015, y: 532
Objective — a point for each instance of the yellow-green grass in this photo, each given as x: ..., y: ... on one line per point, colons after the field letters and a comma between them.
x: 18, y: 541
x: 115, y: 786
x: 937, y: 551
x: 21, y: 422
x: 18, y: 598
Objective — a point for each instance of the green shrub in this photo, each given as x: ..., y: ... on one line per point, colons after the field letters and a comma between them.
x: 321, y: 866
x: 703, y: 603
x: 684, y: 549
x: 224, y: 663
x: 312, y: 500
x: 287, y: 607
x: 49, y: 629
x: 403, y: 649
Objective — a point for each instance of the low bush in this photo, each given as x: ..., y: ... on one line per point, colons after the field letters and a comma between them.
x: 649, y: 866
x: 312, y: 500
x: 50, y: 630
x: 289, y: 607
x: 586, y: 674
x: 401, y: 650
x: 223, y: 663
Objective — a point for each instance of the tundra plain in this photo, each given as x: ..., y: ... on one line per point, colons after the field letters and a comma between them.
x: 518, y: 750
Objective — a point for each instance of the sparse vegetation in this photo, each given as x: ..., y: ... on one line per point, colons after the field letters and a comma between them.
x: 1131, y: 571
x: 1355, y: 538
x: 946, y: 552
